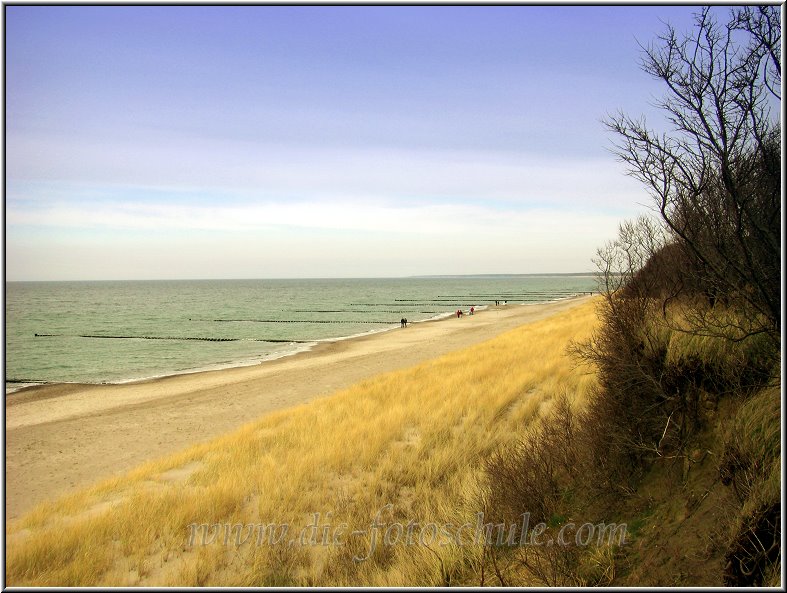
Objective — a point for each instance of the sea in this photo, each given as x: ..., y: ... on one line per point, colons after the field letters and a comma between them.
x: 121, y: 331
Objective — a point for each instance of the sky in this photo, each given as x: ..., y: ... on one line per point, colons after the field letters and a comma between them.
x: 155, y: 142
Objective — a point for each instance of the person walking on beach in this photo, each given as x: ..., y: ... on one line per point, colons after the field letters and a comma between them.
x: 401, y: 322
x: 405, y: 321
x: 472, y: 310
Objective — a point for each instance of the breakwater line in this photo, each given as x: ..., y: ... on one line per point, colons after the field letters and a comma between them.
x: 176, y: 338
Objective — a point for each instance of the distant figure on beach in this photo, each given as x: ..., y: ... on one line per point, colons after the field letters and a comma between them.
x: 472, y: 310
x: 401, y: 322
x: 405, y: 321
x: 458, y: 313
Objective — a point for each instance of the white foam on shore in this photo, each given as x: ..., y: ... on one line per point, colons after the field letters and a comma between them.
x: 301, y: 347
x: 297, y: 348
x: 14, y: 386
x: 220, y: 366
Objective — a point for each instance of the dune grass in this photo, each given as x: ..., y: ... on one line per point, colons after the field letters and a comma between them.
x: 754, y: 441
x: 402, y: 447
x: 714, y: 341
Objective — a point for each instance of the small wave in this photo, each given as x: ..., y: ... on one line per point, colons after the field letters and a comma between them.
x: 427, y: 304
x: 504, y: 295
x: 14, y: 385
x: 303, y: 321
x: 397, y: 311
x: 436, y: 317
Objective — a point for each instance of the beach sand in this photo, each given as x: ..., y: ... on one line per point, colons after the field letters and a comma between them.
x: 63, y: 437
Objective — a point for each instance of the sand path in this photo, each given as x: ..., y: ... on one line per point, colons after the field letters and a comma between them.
x: 63, y: 437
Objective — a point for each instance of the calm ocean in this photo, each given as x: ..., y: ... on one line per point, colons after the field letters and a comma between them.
x: 114, y: 331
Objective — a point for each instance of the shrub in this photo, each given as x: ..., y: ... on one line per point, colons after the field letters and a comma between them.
x: 533, y: 474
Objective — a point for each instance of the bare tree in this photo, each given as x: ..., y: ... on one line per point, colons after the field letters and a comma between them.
x: 715, y: 177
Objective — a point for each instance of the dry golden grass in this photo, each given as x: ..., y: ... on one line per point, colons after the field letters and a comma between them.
x: 716, y: 338
x: 414, y: 439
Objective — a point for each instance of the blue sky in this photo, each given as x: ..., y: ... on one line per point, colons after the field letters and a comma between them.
x: 261, y: 141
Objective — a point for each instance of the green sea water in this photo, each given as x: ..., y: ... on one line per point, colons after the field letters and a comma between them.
x: 115, y: 331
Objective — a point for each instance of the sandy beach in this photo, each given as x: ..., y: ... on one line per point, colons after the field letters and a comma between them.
x: 63, y: 437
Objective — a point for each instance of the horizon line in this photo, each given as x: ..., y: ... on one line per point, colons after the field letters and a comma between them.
x: 418, y: 276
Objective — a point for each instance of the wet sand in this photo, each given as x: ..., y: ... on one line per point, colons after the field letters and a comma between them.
x: 63, y: 437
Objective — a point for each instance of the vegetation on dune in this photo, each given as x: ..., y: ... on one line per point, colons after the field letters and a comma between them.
x: 682, y: 429
x: 415, y: 439
x: 688, y: 349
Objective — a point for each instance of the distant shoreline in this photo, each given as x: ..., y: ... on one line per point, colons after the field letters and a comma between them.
x: 23, y: 386
x: 14, y: 388
x: 545, y: 275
